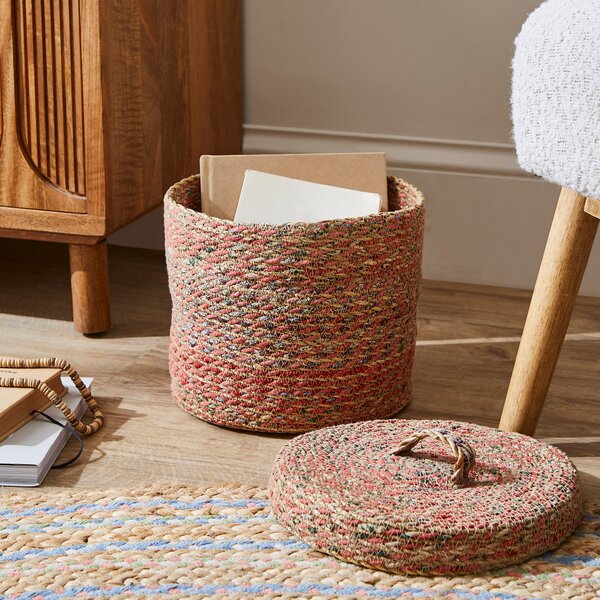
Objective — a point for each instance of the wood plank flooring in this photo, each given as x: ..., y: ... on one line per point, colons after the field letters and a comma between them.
x: 468, y: 337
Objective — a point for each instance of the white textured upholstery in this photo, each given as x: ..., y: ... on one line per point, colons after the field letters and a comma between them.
x: 556, y: 94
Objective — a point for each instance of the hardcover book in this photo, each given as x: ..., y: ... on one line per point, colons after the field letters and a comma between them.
x: 222, y: 176
x: 17, y: 404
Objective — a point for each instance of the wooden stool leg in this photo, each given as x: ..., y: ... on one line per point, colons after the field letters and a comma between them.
x: 565, y: 258
x: 89, y: 287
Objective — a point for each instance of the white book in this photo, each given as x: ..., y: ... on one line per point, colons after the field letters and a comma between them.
x: 27, y: 455
x: 274, y: 200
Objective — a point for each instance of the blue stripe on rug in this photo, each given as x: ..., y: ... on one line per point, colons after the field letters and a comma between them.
x: 207, y: 543
x: 261, y: 589
x: 571, y: 559
x: 150, y: 520
x: 177, y: 504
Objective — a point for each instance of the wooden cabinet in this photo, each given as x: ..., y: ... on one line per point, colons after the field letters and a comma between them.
x: 103, y: 105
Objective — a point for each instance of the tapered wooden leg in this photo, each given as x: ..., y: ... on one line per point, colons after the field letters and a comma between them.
x: 89, y: 287
x: 565, y: 258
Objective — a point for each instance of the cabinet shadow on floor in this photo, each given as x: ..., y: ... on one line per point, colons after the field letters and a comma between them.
x: 36, y: 283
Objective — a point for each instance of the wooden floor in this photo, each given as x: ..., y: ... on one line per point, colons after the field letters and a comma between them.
x: 468, y: 337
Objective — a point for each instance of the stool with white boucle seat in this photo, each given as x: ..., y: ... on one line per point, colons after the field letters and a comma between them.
x: 556, y: 117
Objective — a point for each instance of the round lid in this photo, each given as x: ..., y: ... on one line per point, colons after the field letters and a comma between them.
x: 427, y: 497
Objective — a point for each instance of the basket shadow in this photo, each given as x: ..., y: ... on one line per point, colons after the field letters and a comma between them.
x: 94, y: 445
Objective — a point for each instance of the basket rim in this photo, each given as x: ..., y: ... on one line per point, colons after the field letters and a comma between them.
x: 415, y: 194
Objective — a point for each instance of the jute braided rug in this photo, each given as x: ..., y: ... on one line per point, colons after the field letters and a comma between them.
x: 222, y: 542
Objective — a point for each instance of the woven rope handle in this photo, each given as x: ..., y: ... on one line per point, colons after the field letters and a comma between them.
x: 65, y: 367
x: 464, y: 452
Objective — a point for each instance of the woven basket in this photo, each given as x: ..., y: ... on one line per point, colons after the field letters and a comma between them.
x: 425, y: 497
x: 292, y: 327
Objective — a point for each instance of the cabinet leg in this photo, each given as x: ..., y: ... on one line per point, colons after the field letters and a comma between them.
x: 89, y: 287
x: 565, y: 258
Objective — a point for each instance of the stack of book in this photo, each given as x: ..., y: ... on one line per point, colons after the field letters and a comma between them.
x: 30, y: 444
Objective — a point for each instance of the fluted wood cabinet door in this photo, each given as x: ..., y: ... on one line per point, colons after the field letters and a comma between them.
x: 44, y: 119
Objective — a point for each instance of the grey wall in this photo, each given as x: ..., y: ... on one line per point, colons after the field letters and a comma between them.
x: 426, y: 68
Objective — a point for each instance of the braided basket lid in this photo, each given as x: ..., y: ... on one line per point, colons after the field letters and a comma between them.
x: 425, y: 497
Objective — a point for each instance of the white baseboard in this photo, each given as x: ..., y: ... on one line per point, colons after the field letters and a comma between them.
x: 423, y: 154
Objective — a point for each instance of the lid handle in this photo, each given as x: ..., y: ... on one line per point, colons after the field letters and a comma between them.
x: 464, y: 452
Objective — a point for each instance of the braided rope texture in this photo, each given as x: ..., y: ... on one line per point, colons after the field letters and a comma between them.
x: 292, y: 327
x: 464, y: 453
x: 342, y: 490
x: 223, y: 542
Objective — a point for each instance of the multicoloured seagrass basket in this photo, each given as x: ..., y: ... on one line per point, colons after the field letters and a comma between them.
x: 425, y: 497
x: 293, y: 327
